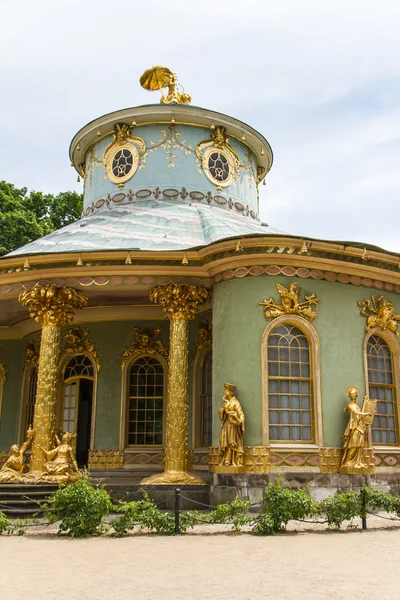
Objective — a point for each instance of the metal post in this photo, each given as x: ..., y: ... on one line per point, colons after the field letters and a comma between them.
x: 177, y: 510
x: 363, y: 510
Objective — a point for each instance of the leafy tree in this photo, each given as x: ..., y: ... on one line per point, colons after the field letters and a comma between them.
x: 25, y: 217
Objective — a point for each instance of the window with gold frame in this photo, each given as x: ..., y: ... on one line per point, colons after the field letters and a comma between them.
x: 381, y: 387
x: 290, y: 385
x: 145, y: 406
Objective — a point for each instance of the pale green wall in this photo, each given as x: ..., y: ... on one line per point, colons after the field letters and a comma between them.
x: 238, y: 325
x: 11, y: 353
x: 109, y: 340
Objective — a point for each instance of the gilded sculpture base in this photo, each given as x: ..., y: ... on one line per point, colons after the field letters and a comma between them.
x: 36, y: 477
x: 330, y: 459
x: 173, y: 478
x: 256, y: 459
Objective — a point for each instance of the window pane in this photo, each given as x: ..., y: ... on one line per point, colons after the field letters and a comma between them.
x: 289, y: 385
x: 145, y: 406
x: 381, y: 388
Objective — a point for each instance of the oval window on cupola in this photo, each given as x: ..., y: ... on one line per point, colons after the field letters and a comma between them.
x: 122, y: 164
x: 218, y: 166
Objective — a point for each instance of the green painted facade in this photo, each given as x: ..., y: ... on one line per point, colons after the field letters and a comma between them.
x: 238, y: 326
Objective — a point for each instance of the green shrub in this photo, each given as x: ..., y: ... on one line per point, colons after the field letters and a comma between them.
x: 280, y: 505
x: 4, y: 523
x: 80, y: 507
x: 376, y: 500
x: 143, y: 514
x: 343, y: 506
x: 234, y: 513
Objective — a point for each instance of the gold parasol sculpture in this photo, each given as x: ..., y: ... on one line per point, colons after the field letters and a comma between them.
x: 157, y: 78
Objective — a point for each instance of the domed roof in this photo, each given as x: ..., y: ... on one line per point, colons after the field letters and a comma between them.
x: 148, y: 225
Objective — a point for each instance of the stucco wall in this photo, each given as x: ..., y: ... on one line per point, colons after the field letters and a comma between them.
x: 238, y: 326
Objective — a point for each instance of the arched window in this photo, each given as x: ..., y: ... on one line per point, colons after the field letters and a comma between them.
x: 145, y: 402
x: 381, y: 387
x: 205, y: 408
x: 77, y: 402
x: 290, y: 385
x: 30, y: 399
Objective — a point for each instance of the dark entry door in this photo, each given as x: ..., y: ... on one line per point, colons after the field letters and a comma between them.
x: 84, y: 422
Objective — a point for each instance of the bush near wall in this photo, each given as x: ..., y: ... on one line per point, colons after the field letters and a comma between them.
x: 81, y: 510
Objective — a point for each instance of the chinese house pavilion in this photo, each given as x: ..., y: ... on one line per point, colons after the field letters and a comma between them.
x: 169, y: 309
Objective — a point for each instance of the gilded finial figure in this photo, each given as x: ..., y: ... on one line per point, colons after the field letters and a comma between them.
x: 60, y: 459
x: 232, y: 429
x: 15, y: 464
x: 290, y: 303
x: 379, y: 313
x: 157, y: 78
x: 355, y: 438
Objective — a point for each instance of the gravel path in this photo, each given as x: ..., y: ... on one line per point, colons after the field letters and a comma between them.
x: 296, y: 565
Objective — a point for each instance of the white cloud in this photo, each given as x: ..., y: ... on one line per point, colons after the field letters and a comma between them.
x: 318, y: 79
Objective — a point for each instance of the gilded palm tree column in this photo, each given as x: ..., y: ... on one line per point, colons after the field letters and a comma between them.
x: 53, y: 307
x: 180, y: 303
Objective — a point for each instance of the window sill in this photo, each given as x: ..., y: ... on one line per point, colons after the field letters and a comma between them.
x: 295, y: 447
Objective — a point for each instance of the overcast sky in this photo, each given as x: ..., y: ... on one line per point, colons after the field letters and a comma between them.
x: 320, y: 79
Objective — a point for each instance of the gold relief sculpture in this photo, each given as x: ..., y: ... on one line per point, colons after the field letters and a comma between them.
x: 330, y: 459
x: 3, y: 372
x: 290, y: 304
x: 77, y: 341
x: 53, y: 307
x: 145, y: 343
x: 379, y: 313
x: 355, y: 439
x: 106, y: 459
x: 61, y: 465
x: 157, y: 78
x: 15, y: 465
x: 216, y: 157
x: 180, y: 304
x: 204, y: 337
x: 122, y: 156
x: 32, y: 350
x: 232, y: 429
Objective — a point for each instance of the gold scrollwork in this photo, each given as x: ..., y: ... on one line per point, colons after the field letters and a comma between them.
x: 106, y: 459
x: 204, y: 337
x: 380, y: 313
x: 290, y: 303
x: 3, y: 373
x: 256, y: 459
x: 170, y: 141
x: 217, y: 158
x: 122, y: 156
x: 32, y: 351
x: 145, y: 343
x: 77, y: 340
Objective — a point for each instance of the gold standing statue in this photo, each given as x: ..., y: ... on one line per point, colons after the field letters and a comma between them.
x: 15, y: 465
x: 60, y: 459
x: 232, y: 429
x: 355, y: 438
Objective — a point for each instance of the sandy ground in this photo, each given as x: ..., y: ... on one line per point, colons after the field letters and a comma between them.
x: 295, y: 565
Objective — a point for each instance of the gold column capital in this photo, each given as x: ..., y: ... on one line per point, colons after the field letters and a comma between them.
x: 180, y: 301
x: 52, y: 305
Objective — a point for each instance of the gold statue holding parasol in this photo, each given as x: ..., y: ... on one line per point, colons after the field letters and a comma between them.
x: 157, y: 78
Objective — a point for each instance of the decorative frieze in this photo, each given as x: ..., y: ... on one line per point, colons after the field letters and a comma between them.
x: 330, y: 459
x: 105, y: 459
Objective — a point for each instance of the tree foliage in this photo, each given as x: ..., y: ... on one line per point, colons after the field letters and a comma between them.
x: 26, y: 216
